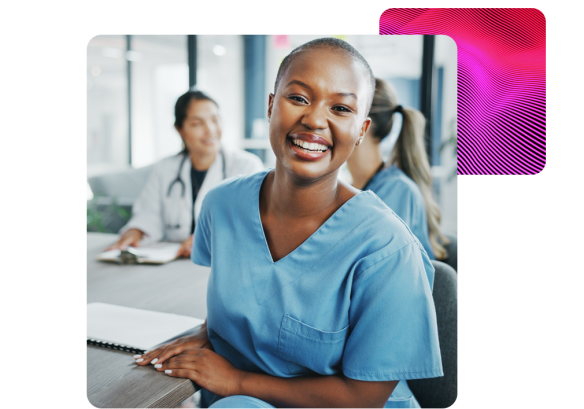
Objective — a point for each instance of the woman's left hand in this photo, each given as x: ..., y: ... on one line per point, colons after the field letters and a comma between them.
x: 207, y: 368
x: 185, y: 248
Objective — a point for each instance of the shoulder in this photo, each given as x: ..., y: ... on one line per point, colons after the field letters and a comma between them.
x: 393, y: 179
x: 238, y: 159
x: 380, y: 227
x: 170, y: 162
x: 385, y: 237
x: 166, y: 168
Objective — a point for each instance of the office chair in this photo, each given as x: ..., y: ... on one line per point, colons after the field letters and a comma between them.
x: 452, y: 250
x: 124, y: 185
x: 441, y: 392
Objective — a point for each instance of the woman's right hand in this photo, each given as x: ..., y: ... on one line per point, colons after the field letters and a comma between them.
x: 164, y: 352
x: 131, y: 238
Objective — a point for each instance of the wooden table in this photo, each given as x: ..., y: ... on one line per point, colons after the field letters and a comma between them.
x: 180, y: 287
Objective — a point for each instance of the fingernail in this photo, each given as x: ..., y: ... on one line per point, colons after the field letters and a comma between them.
x: 168, y: 371
x: 137, y: 356
x: 139, y: 360
x: 158, y: 366
x: 145, y: 352
x: 154, y: 361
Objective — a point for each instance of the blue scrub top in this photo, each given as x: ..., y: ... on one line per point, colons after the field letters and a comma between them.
x: 354, y: 298
x: 404, y: 197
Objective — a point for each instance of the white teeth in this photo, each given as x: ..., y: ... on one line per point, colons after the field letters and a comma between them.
x: 309, y: 146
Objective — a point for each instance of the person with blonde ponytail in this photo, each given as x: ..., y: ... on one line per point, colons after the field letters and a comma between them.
x: 404, y: 182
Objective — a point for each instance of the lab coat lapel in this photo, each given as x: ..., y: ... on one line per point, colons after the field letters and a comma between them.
x: 177, y: 208
x: 212, y: 179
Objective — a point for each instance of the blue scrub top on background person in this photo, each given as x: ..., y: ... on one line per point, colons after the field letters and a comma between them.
x: 404, y: 197
x: 355, y: 298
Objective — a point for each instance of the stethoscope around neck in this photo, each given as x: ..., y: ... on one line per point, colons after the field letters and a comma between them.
x: 183, y: 187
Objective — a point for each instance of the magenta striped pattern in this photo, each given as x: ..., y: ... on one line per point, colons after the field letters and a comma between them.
x: 501, y: 83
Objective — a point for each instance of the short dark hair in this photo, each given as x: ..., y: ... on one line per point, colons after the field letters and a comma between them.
x: 330, y: 43
x: 183, y: 102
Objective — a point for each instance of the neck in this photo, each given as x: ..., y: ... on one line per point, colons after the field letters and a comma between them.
x: 202, y: 161
x: 364, y: 162
x: 288, y: 196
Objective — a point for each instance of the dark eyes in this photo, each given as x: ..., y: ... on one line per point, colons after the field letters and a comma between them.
x: 339, y: 108
x: 297, y: 98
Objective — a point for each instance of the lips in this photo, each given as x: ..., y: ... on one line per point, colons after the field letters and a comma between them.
x: 309, y: 146
x: 310, y: 138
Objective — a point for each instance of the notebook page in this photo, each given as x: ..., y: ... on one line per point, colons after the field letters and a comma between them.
x: 153, y: 253
x: 134, y: 327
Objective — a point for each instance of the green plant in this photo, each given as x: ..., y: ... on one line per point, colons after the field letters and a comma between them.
x: 452, y: 141
x: 94, y: 217
x: 105, y: 215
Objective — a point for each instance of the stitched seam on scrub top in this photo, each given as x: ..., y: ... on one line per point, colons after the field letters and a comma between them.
x: 337, y: 243
x: 320, y: 341
x: 426, y: 371
x: 396, y: 215
x: 316, y: 329
x: 382, y: 259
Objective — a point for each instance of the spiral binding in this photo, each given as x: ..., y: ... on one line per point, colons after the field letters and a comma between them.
x: 111, y: 345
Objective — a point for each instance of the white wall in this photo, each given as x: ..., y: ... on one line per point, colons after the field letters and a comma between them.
x: 221, y: 76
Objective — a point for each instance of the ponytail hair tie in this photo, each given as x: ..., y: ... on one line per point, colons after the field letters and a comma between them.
x: 399, y: 109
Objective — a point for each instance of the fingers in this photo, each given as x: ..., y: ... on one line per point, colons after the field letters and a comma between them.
x: 185, y: 248
x: 184, y: 360
x: 149, y: 356
x: 121, y: 244
x: 159, y: 355
x: 145, y: 358
x: 164, y: 352
x: 182, y: 373
x: 180, y: 251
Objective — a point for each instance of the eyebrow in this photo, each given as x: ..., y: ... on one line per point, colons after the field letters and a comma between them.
x: 342, y: 94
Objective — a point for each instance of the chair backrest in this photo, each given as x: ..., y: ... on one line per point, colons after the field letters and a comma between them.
x: 125, y: 185
x: 441, y: 392
x: 452, y: 249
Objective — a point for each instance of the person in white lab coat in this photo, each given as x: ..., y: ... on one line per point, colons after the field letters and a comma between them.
x: 168, y: 207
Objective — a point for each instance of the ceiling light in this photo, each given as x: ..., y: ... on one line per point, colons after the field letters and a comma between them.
x: 219, y: 50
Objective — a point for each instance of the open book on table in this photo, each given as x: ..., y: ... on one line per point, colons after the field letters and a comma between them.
x: 132, y: 329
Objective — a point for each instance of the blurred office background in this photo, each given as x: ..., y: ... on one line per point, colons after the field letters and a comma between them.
x: 133, y: 83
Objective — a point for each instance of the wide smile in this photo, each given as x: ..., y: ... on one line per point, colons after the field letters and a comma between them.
x: 308, y: 147
x: 209, y: 141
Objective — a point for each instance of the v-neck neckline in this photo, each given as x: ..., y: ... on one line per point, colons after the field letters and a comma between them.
x: 290, y: 255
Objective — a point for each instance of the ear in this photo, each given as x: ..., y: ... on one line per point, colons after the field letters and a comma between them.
x: 364, y: 129
x: 179, y: 130
x: 270, y: 105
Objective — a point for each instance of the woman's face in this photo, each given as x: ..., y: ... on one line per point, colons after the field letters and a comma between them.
x: 201, y: 129
x: 319, y: 112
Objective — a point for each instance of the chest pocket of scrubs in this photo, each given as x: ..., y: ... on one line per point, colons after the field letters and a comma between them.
x: 304, y: 346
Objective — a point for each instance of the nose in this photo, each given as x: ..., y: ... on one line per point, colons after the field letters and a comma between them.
x: 209, y: 129
x: 315, y: 117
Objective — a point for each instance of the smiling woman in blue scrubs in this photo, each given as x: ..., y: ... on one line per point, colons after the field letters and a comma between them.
x: 404, y: 183
x: 319, y: 295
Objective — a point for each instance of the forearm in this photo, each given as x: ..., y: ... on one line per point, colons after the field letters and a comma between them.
x: 318, y: 391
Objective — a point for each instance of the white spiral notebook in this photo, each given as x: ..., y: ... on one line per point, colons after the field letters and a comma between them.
x: 132, y: 329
